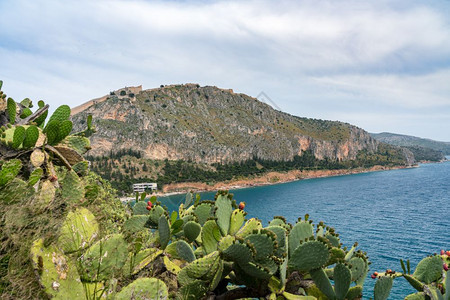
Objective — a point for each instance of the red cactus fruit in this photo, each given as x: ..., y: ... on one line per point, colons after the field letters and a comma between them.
x: 53, y: 178
x: 241, y: 206
x: 375, y: 273
x: 373, y: 276
x: 149, y: 203
x: 442, y: 252
x: 148, y: 207
x: 445, y: 266
x: 448, y: 252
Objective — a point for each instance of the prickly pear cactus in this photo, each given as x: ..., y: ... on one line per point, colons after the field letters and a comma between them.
x: 143, y: 289
x: 57, y: 273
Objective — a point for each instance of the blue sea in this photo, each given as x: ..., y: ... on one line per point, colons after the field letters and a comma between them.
x: 393, y: 214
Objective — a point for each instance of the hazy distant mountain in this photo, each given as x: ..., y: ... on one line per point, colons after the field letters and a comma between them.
x: 412, y: 141
x: 423, y: 149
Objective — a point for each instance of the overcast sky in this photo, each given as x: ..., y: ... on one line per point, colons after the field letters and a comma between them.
x: 381, y: 65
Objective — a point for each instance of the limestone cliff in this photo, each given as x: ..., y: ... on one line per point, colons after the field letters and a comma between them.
x: 208, y: 124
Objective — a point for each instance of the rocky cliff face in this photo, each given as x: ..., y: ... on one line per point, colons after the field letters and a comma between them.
x: 208, y: 124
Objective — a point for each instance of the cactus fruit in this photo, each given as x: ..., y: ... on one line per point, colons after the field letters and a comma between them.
x: 383, y: 287
x: 149, y: 205
x: 78, y: 231
x: 104, y: 259
x: 144, y: 288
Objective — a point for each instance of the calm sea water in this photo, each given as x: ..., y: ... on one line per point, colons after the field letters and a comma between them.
x: 391, y: 214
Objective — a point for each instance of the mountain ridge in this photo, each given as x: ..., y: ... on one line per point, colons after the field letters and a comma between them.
x: 213, y: 125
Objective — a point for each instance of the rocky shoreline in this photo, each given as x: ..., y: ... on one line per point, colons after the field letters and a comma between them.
x: 266, y: 179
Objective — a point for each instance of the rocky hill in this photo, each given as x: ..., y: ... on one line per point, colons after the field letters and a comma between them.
x: 212, y: 125
x: 412, y: 141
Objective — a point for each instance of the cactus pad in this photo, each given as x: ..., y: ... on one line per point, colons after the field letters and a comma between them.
x: 184, y: 251
x: 104, y: 259
x: 342, y: 278
x: 18, y: 137
x: 210, y: 236
x: 12, y: 110
x: 236, y: 221
x: 223, y: 213
x: 321, y: 280
x: 203, y: 211
x: 308, y: 256
x: 72, y: 188
x: 143, y: 289
x: 302, y: 231
x: 78, y: 231
x: 248, y: 227
x: 263, y: 244
x: 61, y: 114
x: 164, y: 231
x: 78, y: 143
x: 35, y: 176
x: 134, y: 264
x: 358, y: 266
x: 37, y: 158
x: 31, y: 137
x: 140, y: 208
x: 191, y: 230
x: 429, y: 269
x: 135, y: 224
x: 72, y: 156
x: 383, y: 288
x: 57, y: 273
x: 10, y: 169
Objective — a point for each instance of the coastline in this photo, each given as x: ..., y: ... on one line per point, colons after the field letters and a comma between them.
x: 269, y: 178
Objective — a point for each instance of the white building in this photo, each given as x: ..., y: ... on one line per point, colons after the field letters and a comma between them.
x: 141, y: 187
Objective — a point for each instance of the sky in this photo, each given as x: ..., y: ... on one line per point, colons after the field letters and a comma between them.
x: 381, y: 65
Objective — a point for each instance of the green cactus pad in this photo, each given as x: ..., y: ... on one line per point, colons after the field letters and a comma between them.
x: 223, y: 213
x: 414, y: 282
x: 263, y: 244
x: 81, y: 168
x: 78, y: 231
x: 236, y: 221
x: 202, y: 266
x: 26, y: 112
x: 27, y: 103
x: 143, y: 289
x: 154, y: 214
x: 176, y: 226
x: 135, y: 224
x: 217, y: 275
x: 78, y: 143
x: 19, y: 137
x: 289, y: 296
x: 280, y: 232
x: 355, y: 292
x: 188, y: 199
x: 51, y: 131
x: 248, y: 227
x: 72, y: 188
x: 194, y: 290
x: 342, y: 278
x: 417, y: 296
x: 61, y: 114
x: 429, y: 269
x: 10, y: 169
x: 104, y: 259
x: 210, y: 236
x: 321, y: 280
x: 203, y: 211
x: 308, y: 256
x: 12, y: 110
x: 191, y: 230
x: 334, y: 240
x: 358, y: 266
x: 349, y: 254
x: 335, y: 255
x: 31, y: 137
x: 64, y: 130
x: 382, y: 288
x: 164, y: 231
x: 140, y: 208
x: 225, y: 242
x: 136, y: 263
x: 35, y: 176
x: 56, y: 272
x: 302, y: 231
x: 184, y: 251
x: 256, y: 271
x: 239, y: 253
x: 16, y: 190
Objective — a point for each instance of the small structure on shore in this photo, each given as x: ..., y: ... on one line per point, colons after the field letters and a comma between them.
x: 142, y: 187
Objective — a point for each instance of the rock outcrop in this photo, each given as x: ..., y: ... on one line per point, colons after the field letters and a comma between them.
x: 208, y: 125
